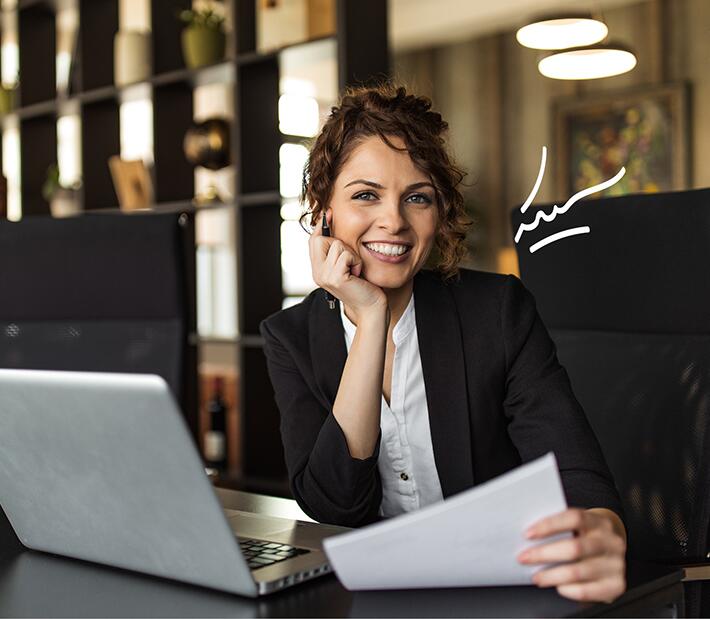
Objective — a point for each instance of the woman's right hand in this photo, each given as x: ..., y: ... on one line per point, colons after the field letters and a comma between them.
x: 336, y: 267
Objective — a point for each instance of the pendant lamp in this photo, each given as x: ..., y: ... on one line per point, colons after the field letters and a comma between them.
x: 560, y: 32
x: 588, y: 63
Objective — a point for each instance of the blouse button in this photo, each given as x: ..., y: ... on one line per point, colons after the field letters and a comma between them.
x: 403, y: 476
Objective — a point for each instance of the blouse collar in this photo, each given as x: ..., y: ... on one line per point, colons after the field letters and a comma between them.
x: 401, y: 330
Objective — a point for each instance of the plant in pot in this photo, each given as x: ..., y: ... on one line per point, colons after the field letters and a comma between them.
x: 7, y: 98
x: 63, y: 200
x: 203, y: 38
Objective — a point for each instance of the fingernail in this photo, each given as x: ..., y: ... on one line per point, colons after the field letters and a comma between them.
x: 523, y: 556
x: 530, y: 533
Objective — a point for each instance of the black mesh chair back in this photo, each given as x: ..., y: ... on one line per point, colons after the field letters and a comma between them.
x: 105, y: 292
x: 628, y: 306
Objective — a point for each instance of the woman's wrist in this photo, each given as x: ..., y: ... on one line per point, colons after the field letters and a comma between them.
x: 374, y: 316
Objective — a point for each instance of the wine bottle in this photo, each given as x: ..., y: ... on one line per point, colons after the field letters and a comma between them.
x: 215, y: 447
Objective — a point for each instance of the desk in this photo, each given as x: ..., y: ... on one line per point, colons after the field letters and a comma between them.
x: 36, y: 584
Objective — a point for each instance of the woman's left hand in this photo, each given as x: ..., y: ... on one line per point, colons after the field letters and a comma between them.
x: 594, y: 556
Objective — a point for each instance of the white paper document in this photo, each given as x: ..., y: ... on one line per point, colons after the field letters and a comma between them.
x: 470, y: 539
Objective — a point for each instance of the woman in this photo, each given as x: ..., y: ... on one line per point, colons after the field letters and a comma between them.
x: 422, y: 383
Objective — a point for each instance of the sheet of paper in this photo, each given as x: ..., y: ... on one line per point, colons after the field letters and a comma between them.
x: 470, y: 539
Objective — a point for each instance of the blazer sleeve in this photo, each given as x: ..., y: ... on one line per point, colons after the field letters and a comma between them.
x: 328, y: 483
x: 543, y: 412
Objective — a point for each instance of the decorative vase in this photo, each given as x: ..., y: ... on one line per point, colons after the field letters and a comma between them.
x: 64, y: 203
x: 206, y: 143
x: 131, y: 57
x: 202, y: 46
x: 7, y: 100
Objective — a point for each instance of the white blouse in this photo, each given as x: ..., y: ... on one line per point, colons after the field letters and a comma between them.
x: 406, y: 459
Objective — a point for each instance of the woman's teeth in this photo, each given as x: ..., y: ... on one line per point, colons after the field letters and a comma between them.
x: 387, y: 249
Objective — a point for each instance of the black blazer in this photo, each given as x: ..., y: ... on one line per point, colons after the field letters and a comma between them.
x: 496, y: 394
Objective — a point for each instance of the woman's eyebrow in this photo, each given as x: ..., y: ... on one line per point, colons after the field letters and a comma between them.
x: 378, y: 186
x: 364, y: 182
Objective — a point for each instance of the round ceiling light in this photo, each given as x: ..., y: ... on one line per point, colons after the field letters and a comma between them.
x: 587, y: 63
x: 562, y: 32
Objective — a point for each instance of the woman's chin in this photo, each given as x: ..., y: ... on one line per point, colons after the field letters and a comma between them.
x: 386, y: 280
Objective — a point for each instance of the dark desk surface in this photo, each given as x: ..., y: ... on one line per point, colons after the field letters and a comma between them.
x: 37, y: 584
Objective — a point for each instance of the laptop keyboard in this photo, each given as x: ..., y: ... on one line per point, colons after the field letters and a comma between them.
x: 259, y: 553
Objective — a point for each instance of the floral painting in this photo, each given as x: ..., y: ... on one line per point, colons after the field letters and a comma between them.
x: 642, y: 131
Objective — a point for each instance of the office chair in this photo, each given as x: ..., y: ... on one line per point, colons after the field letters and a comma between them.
x: 102, y: 292
x: 628, y: 307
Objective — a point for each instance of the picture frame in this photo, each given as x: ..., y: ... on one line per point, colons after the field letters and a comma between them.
x: 643, y: 129
x: 132, y: 182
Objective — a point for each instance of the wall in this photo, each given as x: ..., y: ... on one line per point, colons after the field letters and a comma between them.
x: 499, y: 106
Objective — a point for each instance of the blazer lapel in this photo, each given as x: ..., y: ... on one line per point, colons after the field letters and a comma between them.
x: 441, y: 351
x: 328, y: 349
x: 442, y: 357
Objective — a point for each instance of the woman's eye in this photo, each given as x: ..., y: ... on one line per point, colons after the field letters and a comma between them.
x: 364, y: 193
x: 421, y: 198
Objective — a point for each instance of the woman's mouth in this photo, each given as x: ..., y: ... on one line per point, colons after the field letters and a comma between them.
x: 389, y: 252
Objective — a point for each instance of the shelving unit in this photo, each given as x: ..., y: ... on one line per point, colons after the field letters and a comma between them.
x: 252, y: 78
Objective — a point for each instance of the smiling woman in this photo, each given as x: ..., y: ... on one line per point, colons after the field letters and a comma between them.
x: 426, y: 382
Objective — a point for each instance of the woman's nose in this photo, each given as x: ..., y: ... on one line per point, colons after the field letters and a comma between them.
x: 392, y: 216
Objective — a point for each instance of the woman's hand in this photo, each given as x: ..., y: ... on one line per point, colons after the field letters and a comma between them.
x: 595, y: 568
x: 337, y: 267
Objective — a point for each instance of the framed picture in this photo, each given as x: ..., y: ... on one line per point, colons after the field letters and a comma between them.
x: 644, y: 129
x: 132, y: 183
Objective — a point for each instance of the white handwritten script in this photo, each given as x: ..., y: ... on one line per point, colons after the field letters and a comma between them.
x: 556, y: 209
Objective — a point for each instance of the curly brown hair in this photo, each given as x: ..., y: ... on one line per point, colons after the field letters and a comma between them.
x: 388, y: 110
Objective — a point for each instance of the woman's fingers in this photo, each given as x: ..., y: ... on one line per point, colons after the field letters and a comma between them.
x: 347, y: 262
x: 593, y: 568
x: 593, y: 561
x: 604, y: 590
x: 570, y: 549
x: 569, y: 520
x: 335, y: 268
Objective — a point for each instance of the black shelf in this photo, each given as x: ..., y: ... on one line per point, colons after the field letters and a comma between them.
x: 182, y: 206
x: 38, y: 150
x: 193, y: 77
x: 100, y: 140
x: 166, y: 31
x: 25, y: 4
x: 253, y: 77
x: 172, y: 116
x: 257, y: 56
x: 45, y: 108
x: 37, y: 51
x: 99, y: 19
x: 259, y: 198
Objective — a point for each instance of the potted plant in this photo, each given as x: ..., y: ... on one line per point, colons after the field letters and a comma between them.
x: 7, y: 98
x: 63, y: 200
x: 131, y: 57
x: 203, y: 38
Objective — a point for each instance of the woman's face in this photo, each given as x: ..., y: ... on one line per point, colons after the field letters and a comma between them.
x: 382, y: 205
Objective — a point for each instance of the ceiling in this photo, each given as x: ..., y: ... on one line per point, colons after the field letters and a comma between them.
x: 427, y: 23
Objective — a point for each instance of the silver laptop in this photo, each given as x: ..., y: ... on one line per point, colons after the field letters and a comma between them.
x: 101, y: 467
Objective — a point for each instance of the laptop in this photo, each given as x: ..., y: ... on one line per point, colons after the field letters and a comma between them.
x: 101, y: 467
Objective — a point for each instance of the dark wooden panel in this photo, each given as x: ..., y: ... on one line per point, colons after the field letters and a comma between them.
x: 245, y: 20
x: 363, y: 53
x: 100, y: 140
x: 37, y: 49
x: 38, y: 150
x: 262, y: 451
x: 172, y: 115
x: 259, y: 139
x: 260, y: 272
x: 98, y: 21
x: 166, y: 28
